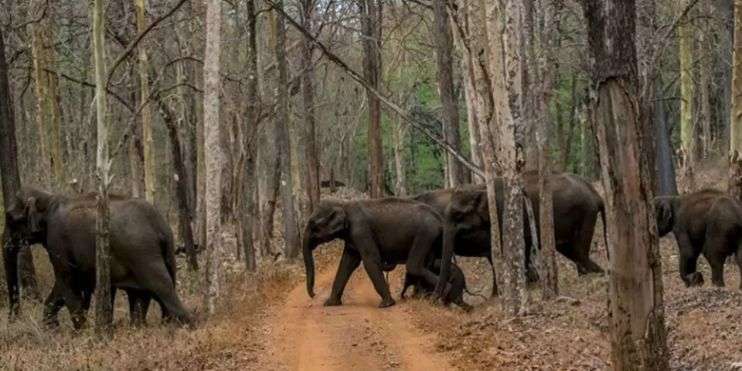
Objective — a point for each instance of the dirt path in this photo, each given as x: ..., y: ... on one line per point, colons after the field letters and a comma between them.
x: 304, y: 335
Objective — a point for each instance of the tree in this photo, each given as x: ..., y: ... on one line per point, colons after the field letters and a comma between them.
x: 147, y: 142
x: 735, y: 135
x: 638, y: 336
x: 103, y: 307
x: 11, y: 184
x: 687, y: 153
x: 444, y: 52
x: 370, y: 12
x: 290, y: 227
x: 311, y: 170
x: 213, y: 154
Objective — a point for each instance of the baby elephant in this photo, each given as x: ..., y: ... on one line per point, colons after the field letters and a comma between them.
x: 456, y: 279
x: 708, y: 222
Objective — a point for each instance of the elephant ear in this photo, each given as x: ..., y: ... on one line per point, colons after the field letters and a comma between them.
x: 34, y: 216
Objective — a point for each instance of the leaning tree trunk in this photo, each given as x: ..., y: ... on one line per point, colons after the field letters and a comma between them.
x: 103, y: 307
x: 735, y: 134
x: 290, y: 226
x: 214, y: 158
x: 638, y: 336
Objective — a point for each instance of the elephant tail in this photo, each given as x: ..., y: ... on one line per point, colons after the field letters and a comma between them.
x: 601, y: 210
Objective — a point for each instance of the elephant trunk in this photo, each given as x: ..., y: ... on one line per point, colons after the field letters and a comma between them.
x: 449, y: 237
x: 10, y: 257
x: 308, y: 261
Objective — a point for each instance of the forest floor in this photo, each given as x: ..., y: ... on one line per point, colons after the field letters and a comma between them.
x: 267, y: 322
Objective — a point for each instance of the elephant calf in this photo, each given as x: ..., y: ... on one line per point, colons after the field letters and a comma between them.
x: 376, y: 232
x: 454, y: 295
x: 707, y: 222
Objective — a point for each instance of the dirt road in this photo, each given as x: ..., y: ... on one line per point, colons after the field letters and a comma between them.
x: 304, y: 335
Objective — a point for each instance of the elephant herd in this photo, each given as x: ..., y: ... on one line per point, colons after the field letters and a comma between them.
x: 421, y: 232
x: 425, y: 231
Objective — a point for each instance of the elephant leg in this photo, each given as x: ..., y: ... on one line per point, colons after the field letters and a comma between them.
x: 75, y: 300
x: 52, y: 305
x: 416, y: 264
x: 581, y: 247
x: 688, y: 258
x: 349, y: 261
x: 495, y: 291
x: 138, y: 306
x: 407, y: 283
x: 157, y: 283
x: 372, y: 263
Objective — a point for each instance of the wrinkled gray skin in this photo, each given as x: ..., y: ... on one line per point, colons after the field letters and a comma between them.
x: 467, y: 221
x: 143, y: 259
x: 387, y: 230
x: 707, y: 222
x: 455, y: 294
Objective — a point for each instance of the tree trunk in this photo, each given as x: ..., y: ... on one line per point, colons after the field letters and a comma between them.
x: 507, y: 95
x: 735, y: 134
x: 311, y: 170
x: 638, y: 336
x: 103, y: 307
x: 399, y: 132
x: 444, y: 49
x: 214, y: 157
x: 725, y: 9
x: 290, y: 227
x: 547, y: 71
x: 147, y: 142
x: 687, y: 154
x: 48, y: 114
x: 371, y: 11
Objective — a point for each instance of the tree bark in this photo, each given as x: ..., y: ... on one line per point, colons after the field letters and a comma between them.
x: 311, y: 170
x: 48, y: 113
x: 638, y: 336
x: 290, y: 227
x: 146, y: 114
x: 735, y: 135
x: 214, y: 157
x: 444, y: 49
x: 103, y: 307
x: 371, y: 11
x: 687, y: 154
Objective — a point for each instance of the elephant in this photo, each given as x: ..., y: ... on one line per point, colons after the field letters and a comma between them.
x: 142, y: 252
x: 707, y: 222
x: 376, y: 232
x: 466, y: 218
x: 455, y: 294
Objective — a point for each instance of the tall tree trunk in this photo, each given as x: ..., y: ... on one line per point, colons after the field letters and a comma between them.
x: 399, y: 132
x: 290, y: 227
x: 444, y: 49
x: 371, y: 11
x: 504, y: 60
x: 11, y: 184
x: 214, y: 157
x: 311, y: 170
x: 147, y: 142
x: 103, y: 307
x: 687, y: 155
x: 638, y: 336
x: 547, y: 71
x: 735, y: 135
x: 725, y: 9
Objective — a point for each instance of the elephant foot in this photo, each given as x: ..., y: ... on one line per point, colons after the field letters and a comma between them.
x: 465, y: 307
x: 387, y: 303
x: 333, y: 302
x: 694, y: 279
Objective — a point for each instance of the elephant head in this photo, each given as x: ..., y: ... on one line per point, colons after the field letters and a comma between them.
x: 25, y: 223
x: 467, y: 211
x: 664, y: 209
x: 328, y: 222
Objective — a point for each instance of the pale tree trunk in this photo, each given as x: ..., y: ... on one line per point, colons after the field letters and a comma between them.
x: 290, y: 227
x: 214, y: 157
x: 247, y: 214
x: 370, y: 11
x: 638, y: 336
x: 504, y: 60
x: 399, y: 133
x: 687, y: 154
x: 444, y: 49
x: 311, y: 170
x: 48, y: 114
x: 103, y: 308
x: 147, y: 143
x: 735, y: 134
x: 547, y: 71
